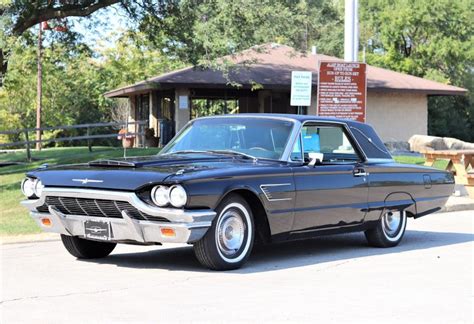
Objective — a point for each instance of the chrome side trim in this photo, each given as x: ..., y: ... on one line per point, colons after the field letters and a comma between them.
x: 268, y: 194
x: 172, y: 214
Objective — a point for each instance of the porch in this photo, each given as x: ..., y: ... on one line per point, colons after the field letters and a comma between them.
x: 167, y: 111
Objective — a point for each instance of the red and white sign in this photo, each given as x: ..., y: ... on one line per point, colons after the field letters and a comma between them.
x: 342, y: 90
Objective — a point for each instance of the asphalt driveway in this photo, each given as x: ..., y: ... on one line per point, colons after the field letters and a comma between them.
x: 428, y: 278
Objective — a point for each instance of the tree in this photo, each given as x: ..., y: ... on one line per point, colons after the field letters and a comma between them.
x: 18, y: 16
x: 199, y: 32
x: 430, y: 39
x: 29, y: 13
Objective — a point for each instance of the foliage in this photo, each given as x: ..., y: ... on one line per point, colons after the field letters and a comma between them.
x: 431, y: 39
x: 74, y: 79
x: 200, y: 32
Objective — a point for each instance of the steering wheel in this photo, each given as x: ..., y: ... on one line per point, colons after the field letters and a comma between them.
x: 258, y: 148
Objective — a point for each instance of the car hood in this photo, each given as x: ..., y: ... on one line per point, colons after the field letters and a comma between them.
x: 133, y: 173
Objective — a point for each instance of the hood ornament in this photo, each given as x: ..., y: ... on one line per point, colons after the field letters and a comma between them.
x: 86, y: 181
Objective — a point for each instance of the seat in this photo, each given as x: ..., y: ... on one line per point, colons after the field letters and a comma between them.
x: 311, y: 143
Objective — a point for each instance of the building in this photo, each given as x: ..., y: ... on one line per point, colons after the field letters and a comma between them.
x: 259, y: 80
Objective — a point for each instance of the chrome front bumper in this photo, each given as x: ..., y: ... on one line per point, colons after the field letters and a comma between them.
x: 188, y: 225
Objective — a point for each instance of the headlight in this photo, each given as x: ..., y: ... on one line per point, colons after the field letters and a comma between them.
x: 178, y: 196
x: 38, y: 189
x: 28, y: 187
x: 160, y: 195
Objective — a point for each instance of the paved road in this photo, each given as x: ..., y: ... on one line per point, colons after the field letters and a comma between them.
x: 332, y: 279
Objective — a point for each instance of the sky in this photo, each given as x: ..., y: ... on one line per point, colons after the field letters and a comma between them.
x: 112, y: 21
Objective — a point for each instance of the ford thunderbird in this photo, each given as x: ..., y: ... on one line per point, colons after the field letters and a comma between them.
x: 226, y: 182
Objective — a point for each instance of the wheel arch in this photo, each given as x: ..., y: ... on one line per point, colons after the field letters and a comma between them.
x: 258, y: 210
x: 402, y: 201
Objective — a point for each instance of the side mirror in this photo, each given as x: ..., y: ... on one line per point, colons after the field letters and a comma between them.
x: 315, y: 158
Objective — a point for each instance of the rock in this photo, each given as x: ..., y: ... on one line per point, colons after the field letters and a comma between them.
x: 432, y: 143
x: 397, y: 146
x: 424, y: 142
x: 455, y: 144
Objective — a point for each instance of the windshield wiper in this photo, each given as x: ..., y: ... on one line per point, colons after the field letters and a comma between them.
x: 221, y: 152
x: 232, y: 152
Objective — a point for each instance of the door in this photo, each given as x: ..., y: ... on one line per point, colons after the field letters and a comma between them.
x: 333, y: 192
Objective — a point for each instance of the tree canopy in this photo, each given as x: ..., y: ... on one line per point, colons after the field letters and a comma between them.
x: 431, y: 39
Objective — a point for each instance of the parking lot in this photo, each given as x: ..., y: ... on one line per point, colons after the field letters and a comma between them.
x: 428, y: 278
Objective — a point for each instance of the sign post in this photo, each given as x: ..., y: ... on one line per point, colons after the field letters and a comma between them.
x: 301, y: 89
x: 342, y: 90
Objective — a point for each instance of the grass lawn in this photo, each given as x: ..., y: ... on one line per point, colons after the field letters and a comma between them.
x: 440, y: 164
x: 14, y: 219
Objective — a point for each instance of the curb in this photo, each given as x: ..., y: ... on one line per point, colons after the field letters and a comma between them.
x: 457, y: 207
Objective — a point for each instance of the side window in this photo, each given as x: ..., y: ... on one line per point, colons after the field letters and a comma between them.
x: 329, y: 140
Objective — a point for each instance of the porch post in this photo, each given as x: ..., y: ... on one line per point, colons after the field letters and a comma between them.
x: 182, y: 111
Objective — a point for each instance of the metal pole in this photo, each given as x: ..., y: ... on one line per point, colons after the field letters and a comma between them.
x: 126, y: 133
x: 39, y: 89
x: 351, y: 30
x: 355, y: 31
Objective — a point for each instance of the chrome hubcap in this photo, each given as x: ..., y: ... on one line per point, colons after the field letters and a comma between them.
x: 391, y: 222
x: 230, y: 232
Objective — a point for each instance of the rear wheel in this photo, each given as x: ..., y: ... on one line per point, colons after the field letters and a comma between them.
x: 228, y: 242
x: 86, y: 249
x: 389, y: 230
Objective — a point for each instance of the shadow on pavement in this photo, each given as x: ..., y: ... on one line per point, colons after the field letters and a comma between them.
x: 288, y: 254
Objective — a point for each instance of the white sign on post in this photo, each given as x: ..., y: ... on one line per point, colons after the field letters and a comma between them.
x: 301, y: 88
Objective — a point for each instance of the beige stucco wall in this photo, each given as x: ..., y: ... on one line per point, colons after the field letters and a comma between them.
x: 397, y: 116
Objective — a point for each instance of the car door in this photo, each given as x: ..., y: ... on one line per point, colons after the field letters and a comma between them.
x: 333, y: 192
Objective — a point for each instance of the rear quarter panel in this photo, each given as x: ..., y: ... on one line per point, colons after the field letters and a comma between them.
x: 421, y: 190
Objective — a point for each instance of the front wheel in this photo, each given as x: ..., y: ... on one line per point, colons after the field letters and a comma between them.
x: 228, y: 242
x: 389, y: 230
x: 86, y: 249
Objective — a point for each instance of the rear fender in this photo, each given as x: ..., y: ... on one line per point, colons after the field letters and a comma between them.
x: 401, y: 201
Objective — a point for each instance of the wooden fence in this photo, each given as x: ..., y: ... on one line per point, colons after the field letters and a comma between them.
x: 27, y: 142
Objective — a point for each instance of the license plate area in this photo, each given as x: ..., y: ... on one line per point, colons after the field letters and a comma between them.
x: 97, y: 230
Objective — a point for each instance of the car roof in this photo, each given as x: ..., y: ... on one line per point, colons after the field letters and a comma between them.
x: 300, y: 118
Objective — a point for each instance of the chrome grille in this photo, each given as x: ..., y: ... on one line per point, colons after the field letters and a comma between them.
x: 95, y: 208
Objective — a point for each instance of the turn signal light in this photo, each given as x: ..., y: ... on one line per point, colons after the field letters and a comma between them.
x: 46, y: 222
x: 168, y: 232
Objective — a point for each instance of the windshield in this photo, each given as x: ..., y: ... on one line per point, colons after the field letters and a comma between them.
x: 256, y: 137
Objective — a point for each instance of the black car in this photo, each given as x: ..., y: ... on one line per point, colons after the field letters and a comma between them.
x: 224, y: 182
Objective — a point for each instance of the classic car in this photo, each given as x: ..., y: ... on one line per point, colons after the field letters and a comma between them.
x: 225, y: 182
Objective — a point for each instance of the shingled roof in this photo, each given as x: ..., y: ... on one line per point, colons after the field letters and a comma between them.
x: 270, y: 65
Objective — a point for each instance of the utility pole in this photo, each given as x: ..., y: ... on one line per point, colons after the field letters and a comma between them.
x: 39, y: 89
x: 351, y: 30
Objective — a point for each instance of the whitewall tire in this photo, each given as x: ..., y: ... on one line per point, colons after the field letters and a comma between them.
x: 389, y: 230
x: 229, y: 241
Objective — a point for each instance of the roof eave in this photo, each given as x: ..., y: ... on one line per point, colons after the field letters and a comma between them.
x: 429, y: 92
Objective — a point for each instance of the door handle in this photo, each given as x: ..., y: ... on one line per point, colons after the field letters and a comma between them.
x: 359, y: 172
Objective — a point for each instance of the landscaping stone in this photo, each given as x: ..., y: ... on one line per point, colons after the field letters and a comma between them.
x: 432, y: 143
